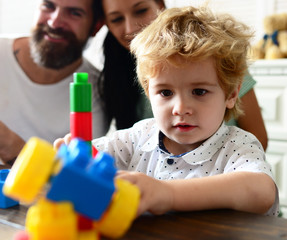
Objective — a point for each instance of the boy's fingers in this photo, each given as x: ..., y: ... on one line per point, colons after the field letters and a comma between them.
x: 67, y: 138
x: 58, y: 142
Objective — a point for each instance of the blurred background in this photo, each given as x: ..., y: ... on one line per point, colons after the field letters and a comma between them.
x: 16, y: 16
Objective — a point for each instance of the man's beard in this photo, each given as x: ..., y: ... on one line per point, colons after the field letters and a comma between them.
x: 53, y: 54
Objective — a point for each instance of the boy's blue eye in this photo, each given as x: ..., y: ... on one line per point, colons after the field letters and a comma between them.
x: 199, y: 92
x: 166, y: 93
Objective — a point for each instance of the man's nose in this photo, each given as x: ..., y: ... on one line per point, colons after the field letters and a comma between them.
x: 57, y: 19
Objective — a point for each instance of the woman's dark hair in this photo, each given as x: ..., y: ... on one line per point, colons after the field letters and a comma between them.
x: 119, y: 88
x: 98, y: 10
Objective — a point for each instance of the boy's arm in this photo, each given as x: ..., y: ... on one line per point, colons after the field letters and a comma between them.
x: 243, y: 191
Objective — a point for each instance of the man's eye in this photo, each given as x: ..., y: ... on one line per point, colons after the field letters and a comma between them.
x: 166, y: 93
x: 76, y: 13
x: 47, y: 5
x: 199, y: 92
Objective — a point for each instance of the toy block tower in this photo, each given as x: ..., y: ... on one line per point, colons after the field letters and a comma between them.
x: 81, y: 108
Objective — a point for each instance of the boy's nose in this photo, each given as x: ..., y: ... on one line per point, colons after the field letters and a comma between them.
x: 182, y: 107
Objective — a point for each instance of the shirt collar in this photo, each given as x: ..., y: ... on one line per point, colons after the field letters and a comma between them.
x: 208, y: 148
x: 152, y: 142
x: 160, y: 142
x: 198, y: 155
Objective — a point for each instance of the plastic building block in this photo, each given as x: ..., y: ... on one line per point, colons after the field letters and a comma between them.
x: 81, y: 125
x: 81, y: 93
x: 86, y: 182
x: 81, y: 234
x: 122, y: 210
x: 81, y: 108
x: 80, y: 192
x: 5, y: 202
x: 80, y: 198
x: 94, y: 151
x: 31, y: 171
x: 22, y: 235
x: 88, y: 235
x: 55, y: 221
x: 84, y: 223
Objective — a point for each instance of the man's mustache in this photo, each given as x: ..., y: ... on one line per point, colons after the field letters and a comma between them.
x: 44, y: 29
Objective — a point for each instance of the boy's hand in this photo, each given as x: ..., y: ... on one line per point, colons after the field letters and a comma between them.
x: 156, y: 195
x: 10, y: 144
x: 66, y: 140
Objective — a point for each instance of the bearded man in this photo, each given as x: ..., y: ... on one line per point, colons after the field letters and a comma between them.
x: 36, y: 72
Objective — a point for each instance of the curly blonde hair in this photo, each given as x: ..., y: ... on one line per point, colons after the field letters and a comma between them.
x: 195, y: 34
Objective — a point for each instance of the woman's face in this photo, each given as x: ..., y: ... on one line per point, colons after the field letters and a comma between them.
x: 125, y: 18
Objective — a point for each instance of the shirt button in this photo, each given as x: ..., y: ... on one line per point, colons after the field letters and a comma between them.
x: 170, y: 161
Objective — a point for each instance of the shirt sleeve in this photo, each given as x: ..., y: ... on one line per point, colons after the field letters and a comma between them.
x: 253, y: 161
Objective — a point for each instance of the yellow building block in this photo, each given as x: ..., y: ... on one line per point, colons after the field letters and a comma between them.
x: 88, y: 235
x: 31, y: 171
x: 47, y: 220
x: 121, y: 212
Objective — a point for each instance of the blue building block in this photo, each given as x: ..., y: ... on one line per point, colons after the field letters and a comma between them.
x: 5, y: 202
x: 86, y: 182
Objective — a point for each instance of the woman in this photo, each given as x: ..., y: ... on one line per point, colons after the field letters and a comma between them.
x: 124, y: 99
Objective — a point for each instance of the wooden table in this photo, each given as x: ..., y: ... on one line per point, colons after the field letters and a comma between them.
x: 214, y: 224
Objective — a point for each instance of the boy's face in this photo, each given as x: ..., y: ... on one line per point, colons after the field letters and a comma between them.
x: 188, y: 104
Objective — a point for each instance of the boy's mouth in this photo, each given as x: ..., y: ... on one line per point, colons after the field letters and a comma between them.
x: 184, y: 127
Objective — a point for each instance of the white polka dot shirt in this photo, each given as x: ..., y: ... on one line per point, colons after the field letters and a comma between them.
x: 230, y: 149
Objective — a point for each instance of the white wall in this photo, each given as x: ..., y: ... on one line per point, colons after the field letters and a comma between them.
x: 16, y: 16
x: 251, y: 12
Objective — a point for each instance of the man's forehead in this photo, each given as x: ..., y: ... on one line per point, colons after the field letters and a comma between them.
x: 81, y: 4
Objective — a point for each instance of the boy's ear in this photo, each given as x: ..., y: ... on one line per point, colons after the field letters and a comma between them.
x: 231, y: 100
